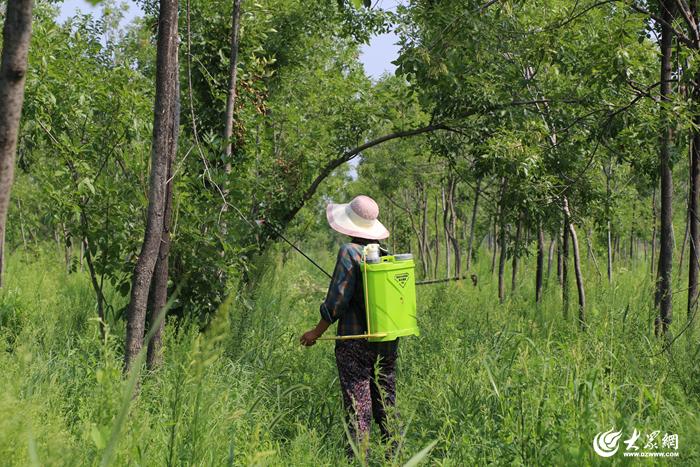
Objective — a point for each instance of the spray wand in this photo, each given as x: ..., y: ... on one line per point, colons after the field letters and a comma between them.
x: 274, y: 229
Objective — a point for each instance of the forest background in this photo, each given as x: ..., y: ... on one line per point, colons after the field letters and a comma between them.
x: 541, y: 159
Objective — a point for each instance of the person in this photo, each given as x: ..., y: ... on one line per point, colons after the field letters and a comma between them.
x: 366, y: 393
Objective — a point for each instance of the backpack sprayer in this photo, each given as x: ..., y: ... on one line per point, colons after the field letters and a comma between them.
x: 389, y: 284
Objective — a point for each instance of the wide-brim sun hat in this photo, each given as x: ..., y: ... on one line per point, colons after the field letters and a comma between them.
x: 358, y: 218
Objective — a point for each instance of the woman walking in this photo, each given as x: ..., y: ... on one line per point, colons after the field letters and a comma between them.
x: 367, y: 394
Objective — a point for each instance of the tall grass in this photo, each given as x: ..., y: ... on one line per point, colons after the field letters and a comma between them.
x: 486, y: 383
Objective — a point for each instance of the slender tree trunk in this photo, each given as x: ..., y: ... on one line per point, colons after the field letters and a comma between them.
x: 666, y: 250
x: 233, y: 75
x: 454, y: 236
x: 540, y: 264
x: 516, y: 253
x: 165, y: 126
x: 560, y: 256
x: 158, y: 295
x: 495, y: 243
x: 694, y: 222
x: 67, y: 256
x: 96, y: 286
x: 592, y: 253
x: 437, y: 236
x: 16, y: 34
x: 549, y: 256
x: 653, y: 234
x: 446, y: 230
x: 472, y: 226
x: 565, y: 267
x: 609, y: 243
x: 423, y: 193
x: 687, y: 215
x: 230, y: 110
x: 577, y: 268
x: 502, y: 263
x: 503, y: 245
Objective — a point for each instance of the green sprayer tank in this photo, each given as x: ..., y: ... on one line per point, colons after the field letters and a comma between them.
x: 390, y: 298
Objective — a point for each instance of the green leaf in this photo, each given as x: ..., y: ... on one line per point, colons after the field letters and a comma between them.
x: 421, y: 455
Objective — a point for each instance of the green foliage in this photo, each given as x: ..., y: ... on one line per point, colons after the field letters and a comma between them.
x: 512, y: 384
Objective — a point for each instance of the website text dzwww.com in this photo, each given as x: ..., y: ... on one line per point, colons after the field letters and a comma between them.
x: 650, y: 454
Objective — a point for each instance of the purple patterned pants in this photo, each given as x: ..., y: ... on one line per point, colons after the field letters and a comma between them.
x: 367, y: 391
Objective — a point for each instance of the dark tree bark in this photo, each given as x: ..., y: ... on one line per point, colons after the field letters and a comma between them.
x: 494, y: 235
x: 549, y: 256
x: 445, y: 227
x: 516, y: 253
x: 423, y: 194
x: 437, y: 234
x: 608, y: 171
x: 654, y: 218
x: 503, y: 244
x: 158, y: 295
x: 233, y: 75
x: 560, y: 257
x: 450, y: 226
x: 454, y: 236
x: 540, y: 264
x: 577, y: 267
x: 565, y: 266
x: 664, y: 283
x: 502, y: 264
x: 230, y: 110
x: 472, y: 226
x: 694, y: 219
x: 16, y: 34
x: 165, y: 126
x: 610, y: 258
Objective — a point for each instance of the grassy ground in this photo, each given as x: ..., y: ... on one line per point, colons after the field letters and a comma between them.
x: 508, y: 384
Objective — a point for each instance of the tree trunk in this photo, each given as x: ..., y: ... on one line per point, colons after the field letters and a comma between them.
x: 233, y: 74
x: 502, y: 264
x: 591, y: 253
x: 653, y: 234
x: 95, y: 285
x: 577, y: 267
x: 565, y: 267
x: 693, y: 218
x: 666, y: 248
x: 16, y: 34
x: 495, y: 244
x: 165, y: 126
x: 437, y: 235
x: 423, y: 193
x: 445, y: 228
x: 472, y: 226
x: 609, y: 255
x: 503, y: 244
x: 230, y: 109
x: 454, y: 237
x: 540, y: 264
x: 516, y: 253
x: 158, y: 295
x: 549, y: 256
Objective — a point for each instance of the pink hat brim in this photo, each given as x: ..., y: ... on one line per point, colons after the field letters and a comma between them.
x: 340, y: 222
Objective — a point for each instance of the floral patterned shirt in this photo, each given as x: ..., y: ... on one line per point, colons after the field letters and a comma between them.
x: 345, y: 301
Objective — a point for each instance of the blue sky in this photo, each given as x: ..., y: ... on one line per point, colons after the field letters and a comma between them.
x: 376, y: 57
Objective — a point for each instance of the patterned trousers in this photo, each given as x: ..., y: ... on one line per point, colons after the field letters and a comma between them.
x: 367, y: 373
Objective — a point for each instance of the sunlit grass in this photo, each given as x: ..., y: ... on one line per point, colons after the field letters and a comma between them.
x: 488, y: 383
